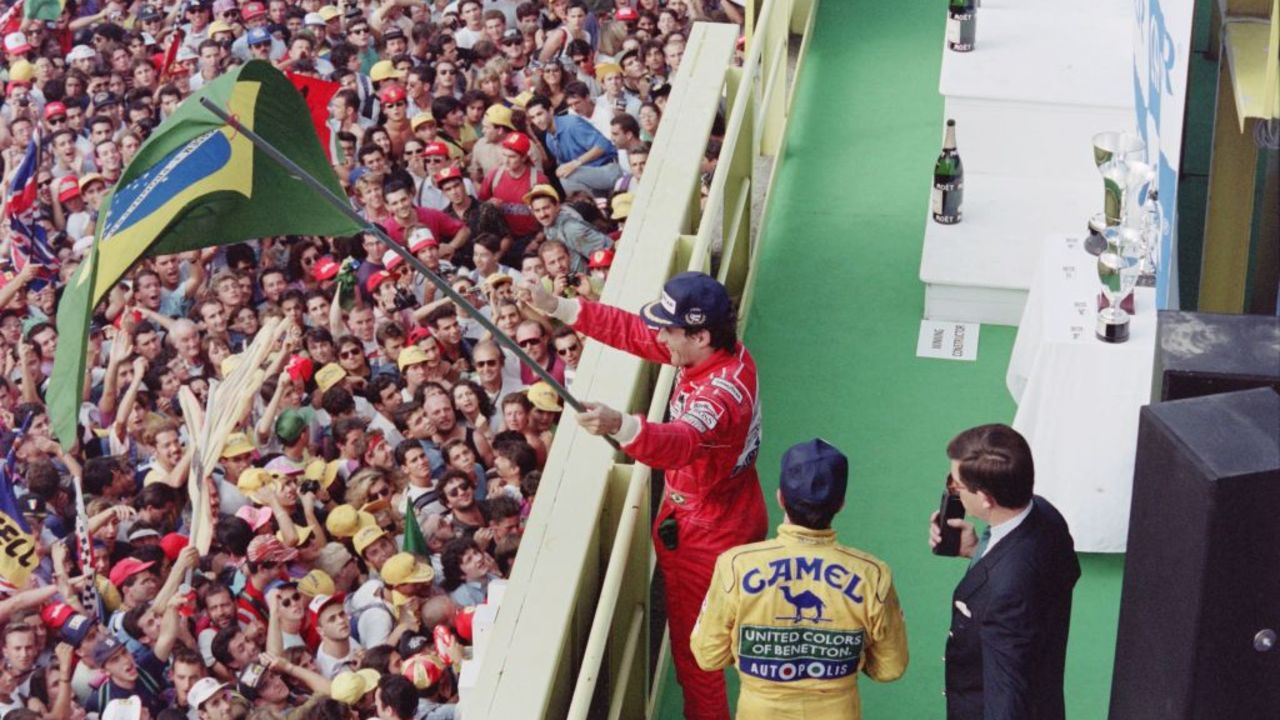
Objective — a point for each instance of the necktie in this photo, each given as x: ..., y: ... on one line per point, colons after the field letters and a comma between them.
x: 982, y: 547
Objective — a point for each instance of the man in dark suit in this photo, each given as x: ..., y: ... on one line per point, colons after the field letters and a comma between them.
x: 1011, y: 612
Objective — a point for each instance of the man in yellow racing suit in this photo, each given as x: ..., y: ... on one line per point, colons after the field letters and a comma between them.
x: 801, y: 615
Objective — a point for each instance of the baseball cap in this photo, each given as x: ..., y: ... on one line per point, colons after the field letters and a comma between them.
x: 15, y: 43
x: 349, y: 686
x: 148, y: 13
x: 376, y: 279
x: 186, y: 54
x: 252, y: 480
x: 104, y: 99
x: 391, y: 260
x: 367, y: 536
x: 449, y: 174
x: 411, y: 643
x: 421, y: 119
x: 257, y: 36
x: 316, y: 582
x: 143, y: 533
x: 544, y: 397
x: 815, y: 472
x: 464, y: 622
x: 219, y: 26
x: 126, y: 708
x: 291, y: 424
x: 313, y: 19
x: 411, y: 355
x: 424, y: 670
x: 435, y: 149
x: 329, y: 12
x: 516, y: 142
x: 498, y: 278
x: 541, y: 190
x: 417, y: 335
x: 391, y: 93
x: 268, y: 548
x: 203, y: 689
x: 605, y: 70
x: 255, y: 516
x: 54, y: 109
x: 622, y: 205
x: 689, y: 299
x: 499, y: 116
x: 126, y: 568
x: 324, y: 472
x: 512, y: 35
x: 237, y: 444
x: 81, y: 52
x: 90, y: 179
x: 329, y: 375
x: 320, y: 602
x: 600, y: 259
x: 344, y: 521
x: 627, y: 14
x: 405, y: 569
x: 300, y: 368
x: 420, y: 239
x: 393, y: 33
x: 384, y: 70
x: 282, y: 466
x: 223, y: 6
x: 75, y: 629
x: 54, y: 615
x: 253, y: 10
x: 326, y: 268
x: 172, y: 544
x: 106, y: 648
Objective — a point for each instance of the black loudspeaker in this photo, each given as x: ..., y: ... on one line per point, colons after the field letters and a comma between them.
x: 1200, y: 606
x: 1207, y: 353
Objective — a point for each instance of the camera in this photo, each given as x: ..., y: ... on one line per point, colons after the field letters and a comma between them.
x: 309, y: 486
x: 405, y: 299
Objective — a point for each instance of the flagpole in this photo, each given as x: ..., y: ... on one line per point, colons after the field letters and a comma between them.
x: 441, y: 284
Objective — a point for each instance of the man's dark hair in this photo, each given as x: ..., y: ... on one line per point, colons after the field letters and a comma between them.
x: 626, y: 123
x: 398, y: 694
x: 155, y: 495
x: 402, y: 450
x: 233, y: 534
x: 539, y: 101
x: 995, y: 459
x: 577, y: 89
x: 98, y: 473
x: 43, y: 480
x: 437, y: 314
x: 337, y: 401
x: 212, y: 589
x: 221, y: 647
x: 503, y: 507
x: 400, y: 416
x: 343, y: 427
x: 378, y: 384
x: 186, y: 656
x: 132, y: 623
x: 810, y: 515
x: 442, y: 106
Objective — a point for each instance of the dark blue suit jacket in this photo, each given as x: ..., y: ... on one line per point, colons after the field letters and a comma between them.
x: 1005, y: 658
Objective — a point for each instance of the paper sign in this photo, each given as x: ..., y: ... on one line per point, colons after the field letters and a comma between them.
x: 945, y: 340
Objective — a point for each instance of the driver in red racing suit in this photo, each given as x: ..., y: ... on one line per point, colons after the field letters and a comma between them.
x: 708, y: 447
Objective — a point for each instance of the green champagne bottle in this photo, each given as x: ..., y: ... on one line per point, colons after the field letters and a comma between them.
x: 948, y: 180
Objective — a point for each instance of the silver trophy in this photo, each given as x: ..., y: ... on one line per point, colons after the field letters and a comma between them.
x: 1118, y: 272
x: 1113, y: 154
x: 1151, y: 232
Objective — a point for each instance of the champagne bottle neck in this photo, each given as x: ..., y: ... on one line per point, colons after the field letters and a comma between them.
x: 949, y: 142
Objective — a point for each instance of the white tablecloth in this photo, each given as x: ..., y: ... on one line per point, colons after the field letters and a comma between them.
x: 1078, y: 398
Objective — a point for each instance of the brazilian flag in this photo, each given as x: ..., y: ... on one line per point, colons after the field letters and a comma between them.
x: 43, y: 9
x: 196, y: 183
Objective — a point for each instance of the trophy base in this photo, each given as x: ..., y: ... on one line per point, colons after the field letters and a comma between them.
x: 1147, y: 280
x: 1113, y: 326
x: 1126, y: 304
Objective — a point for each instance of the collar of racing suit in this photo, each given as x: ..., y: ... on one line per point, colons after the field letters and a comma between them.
x: 718, y: 360
x: 790, y: 534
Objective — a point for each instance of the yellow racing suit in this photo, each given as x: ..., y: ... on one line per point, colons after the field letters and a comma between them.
x: 800, y: 616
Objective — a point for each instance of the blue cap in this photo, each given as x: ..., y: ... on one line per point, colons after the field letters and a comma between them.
x: 815, y: 472
x: 690, y: 299
x: 106, y: 648
x: 357, y: 172
x: 257, y: 36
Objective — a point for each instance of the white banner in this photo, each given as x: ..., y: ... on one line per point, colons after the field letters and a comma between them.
x: 1161, y: 50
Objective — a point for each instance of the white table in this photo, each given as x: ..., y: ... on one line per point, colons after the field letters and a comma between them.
x: 1078, y: 398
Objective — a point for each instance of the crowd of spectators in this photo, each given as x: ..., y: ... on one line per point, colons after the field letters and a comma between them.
x: 499, y: 141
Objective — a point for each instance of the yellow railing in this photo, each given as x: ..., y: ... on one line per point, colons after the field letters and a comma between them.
x: 571, y: 637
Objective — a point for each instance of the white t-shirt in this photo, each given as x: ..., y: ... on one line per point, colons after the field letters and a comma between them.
x: 330, y: 666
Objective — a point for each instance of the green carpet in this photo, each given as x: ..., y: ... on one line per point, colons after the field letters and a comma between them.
x: 833, y: 329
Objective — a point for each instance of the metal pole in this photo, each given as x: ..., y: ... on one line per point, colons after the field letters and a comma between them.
x: 441, y: 284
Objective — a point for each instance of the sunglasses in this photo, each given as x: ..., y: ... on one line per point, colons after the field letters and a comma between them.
x: 348, y: 354
x: 383, y: 493
x: 437, y: 160
x: 308, y: 259
x: 413, y: 153
x: 57, y: 120
x: 486, y: 363
x: 444, y: 72
x: 397, y: 104
x: 529, y: 342
x: 289, y: 600
x: 360, y: 31
x: 456, y: 490
x: 568, y: 350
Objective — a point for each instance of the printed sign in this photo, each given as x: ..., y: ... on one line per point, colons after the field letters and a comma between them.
x: 790, y: 654
x: 945, y: 340
x: 17, y: 552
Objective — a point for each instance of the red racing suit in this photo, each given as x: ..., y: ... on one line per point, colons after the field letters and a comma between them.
x: 708, y: 452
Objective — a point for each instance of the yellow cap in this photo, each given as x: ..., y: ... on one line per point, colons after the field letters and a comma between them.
x: 329, y: 12
x: 237, y: 444
x: 253, y: 480
x: 384, y: 70
x: 218, y: 26
x: 500, y: 116
x: 522, y: 99
x: 87, y: 180
x: 498, y: 278
x: 405, y: 569
x: 316, y: 582
x: 541, y: 191
x: 543, y: 397
x: 348, y: 687
x: 329, y: 375
x: 21, y: 71
x: 411, y: 355
x: 345, y: 521
x: 604, y: 70
x: 304, y: 534
x: 622, y: 205
x: 367, y: 536
x: 324, y: 472
x: 421, y: 119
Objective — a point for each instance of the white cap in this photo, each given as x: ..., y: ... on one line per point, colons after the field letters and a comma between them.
x: 129, y: 708
x: 185, y: 53
x: 313, y: 19
x: 16, y: 43
x: 81, y: 52
x: 204, y: 689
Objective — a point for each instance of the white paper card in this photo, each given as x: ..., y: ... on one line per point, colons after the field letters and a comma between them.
x: 944, y: 340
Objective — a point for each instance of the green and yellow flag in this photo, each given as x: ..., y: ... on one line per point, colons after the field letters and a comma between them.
x: 196, y: 183
x: 43, y: 9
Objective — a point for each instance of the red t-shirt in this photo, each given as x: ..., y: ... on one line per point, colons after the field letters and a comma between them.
x: 509, y: 193
x: 440, y: 225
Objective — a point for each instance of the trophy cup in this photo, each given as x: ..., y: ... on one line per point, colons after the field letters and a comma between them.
x: 1113, y: 152
x: 1152, y: 231
x: 1118, y: 272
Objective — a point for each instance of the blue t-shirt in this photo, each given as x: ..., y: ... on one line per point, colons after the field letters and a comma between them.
x: 574, y: 136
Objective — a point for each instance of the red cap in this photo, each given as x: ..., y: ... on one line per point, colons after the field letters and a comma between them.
x: 600, y: 259
x: 418, y: 333
x: 252, y: 10
x: 517, y: 143
x: 375, y: 280
x: 452, y: 172
x: 68, y: 187
x: 126, y: 569
x: 300, y: 368
x: 435, y: 149
x: 119, y: 321
x: 54, y: 109
x: 56, y: 614
x: 391, y: 93
x: 627, y: 14
x: 462, y: 622
x: 319, y: 603
x: 17, y: 83
x: 325, y: 268
x: 172, y: 544
x: 421, y: 238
